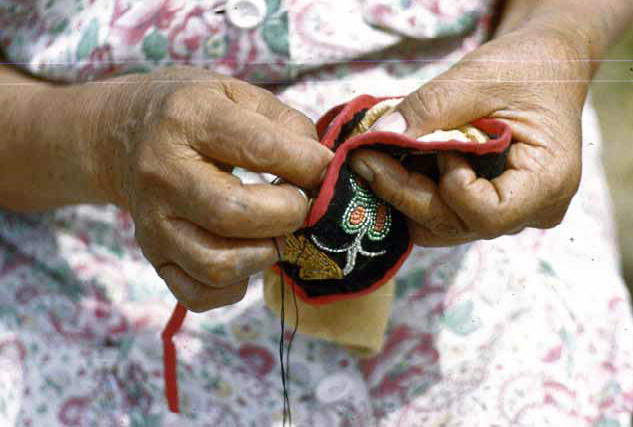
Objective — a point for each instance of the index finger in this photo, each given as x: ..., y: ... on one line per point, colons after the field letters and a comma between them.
x: 244, y: 138
x: 223, y: 205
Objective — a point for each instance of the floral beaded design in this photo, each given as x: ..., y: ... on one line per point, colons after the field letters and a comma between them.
x: 366, y: 215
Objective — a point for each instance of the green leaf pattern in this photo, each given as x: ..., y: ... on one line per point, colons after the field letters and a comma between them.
x: 81, y: 310
x: 89, y: 40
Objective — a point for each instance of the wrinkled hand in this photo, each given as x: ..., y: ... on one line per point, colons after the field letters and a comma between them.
x: 523, y: 79
x: 174, y: 144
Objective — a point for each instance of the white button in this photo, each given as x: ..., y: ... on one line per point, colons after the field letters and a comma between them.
x: 333, y: 388
x: 246, y: 13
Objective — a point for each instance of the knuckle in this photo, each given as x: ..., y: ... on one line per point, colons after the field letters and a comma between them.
x: 228, y: 215
x: 442, y: 228
x: 558, y: 193
x: 433, y: 222
x: 259, y: 149
x: 554, y: 222
x: 418, y: 199
x: 193, y: 304
x: 422, y: 236
x: 489, y: 226
x: 236, y: 295
x: 297, y: 121
x: 188, y: 297
x: 555, y: 218
x: 177, y: 104
x: 262, y: 146
x: 149, y: 232
x: 571, y: 182
x: 221, y: 270
x: 217, y: 277
x: 198, y: 305
x: 396, y: 196
x: 150, y: 172
x: 427, y: 101
x: 393, y: 190
x: 285, y: 213
x: 489, y: 233
x: 290, y: 115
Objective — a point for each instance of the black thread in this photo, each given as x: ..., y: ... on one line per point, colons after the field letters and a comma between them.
x: 285, y: 369
x: 296, y: 326
x: 286, y: 405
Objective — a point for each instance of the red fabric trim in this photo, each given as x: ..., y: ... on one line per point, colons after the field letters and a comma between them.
x: 169, y: 356
x: 335, y: 118
x: 489, y: 126
x: 326, y: 119
x: 345, y: 115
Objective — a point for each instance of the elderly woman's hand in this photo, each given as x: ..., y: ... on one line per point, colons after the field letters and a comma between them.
x: 531, y: 79
x: 173, y: 140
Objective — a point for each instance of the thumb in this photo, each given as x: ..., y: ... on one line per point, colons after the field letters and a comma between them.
x: 446, y: 102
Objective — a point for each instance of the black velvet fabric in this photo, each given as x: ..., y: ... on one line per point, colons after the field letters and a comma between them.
x: 329, y: 231
x: 348, y: 127
x: 368, y: 270
x: 489, y: 166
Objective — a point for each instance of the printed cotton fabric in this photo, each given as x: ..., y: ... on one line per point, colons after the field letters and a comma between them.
x: 527, y: 330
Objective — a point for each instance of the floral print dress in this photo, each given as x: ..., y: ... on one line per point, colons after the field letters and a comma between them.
x: 527, y: 330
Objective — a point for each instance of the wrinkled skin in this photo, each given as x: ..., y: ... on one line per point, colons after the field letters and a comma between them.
x: 513, y: 79
x: 175, y: 145
x: 162, y: 146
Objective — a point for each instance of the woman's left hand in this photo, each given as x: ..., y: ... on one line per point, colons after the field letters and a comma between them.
x: 531, y: 80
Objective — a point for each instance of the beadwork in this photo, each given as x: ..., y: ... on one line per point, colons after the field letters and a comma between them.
x: 366, y: 215
x: 357, y: 241
x: 366, y: 211
x: 315, y: 265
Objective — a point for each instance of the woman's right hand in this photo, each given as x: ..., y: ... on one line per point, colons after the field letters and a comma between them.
x: 173, y: 138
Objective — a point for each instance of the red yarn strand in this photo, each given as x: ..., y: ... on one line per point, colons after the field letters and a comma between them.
x: 169, y: 356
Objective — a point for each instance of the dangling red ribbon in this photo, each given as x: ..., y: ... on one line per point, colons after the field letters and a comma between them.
x: 169, y: 356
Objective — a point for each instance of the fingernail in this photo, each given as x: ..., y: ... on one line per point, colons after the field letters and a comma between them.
x: 303, y: 193
x: 362, y: 169
x: 323, y: 174
x: 393, y: 122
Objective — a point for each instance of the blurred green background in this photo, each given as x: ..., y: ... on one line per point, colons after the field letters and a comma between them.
x: 614, y: 104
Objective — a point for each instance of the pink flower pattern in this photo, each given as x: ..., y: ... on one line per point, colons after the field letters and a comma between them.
x: 526, y: 330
